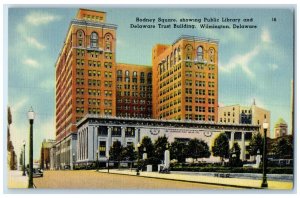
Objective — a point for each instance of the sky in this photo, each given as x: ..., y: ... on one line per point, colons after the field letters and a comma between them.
x: 253, y: 63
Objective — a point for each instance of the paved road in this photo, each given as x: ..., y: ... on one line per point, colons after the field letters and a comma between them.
x: 93, y: 180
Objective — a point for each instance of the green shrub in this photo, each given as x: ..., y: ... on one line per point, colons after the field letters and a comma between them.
x: 271, y: 170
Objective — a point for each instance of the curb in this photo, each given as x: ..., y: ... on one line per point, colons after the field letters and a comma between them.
x: 199, y: 182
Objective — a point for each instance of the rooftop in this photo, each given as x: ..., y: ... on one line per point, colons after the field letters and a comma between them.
x: 196, y: 38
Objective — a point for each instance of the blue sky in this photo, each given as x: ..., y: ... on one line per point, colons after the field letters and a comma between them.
x: 255, y: 63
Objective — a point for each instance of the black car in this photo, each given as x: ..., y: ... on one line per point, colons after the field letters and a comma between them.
x: 37, y: 172
x: 67, y: 167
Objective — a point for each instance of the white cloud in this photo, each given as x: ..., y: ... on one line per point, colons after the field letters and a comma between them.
x: 241, y: 61
x: 34, y: 42
x: 273, y: 66
x: 265, y: 36
x: 31, y: 62
x: 19, y: 105
x: 48, y: 84
x: 39, y: 18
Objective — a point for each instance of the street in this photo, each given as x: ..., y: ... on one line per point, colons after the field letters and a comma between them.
x: 89, y: 179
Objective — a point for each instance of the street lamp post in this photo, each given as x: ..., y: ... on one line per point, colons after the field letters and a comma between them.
x: 31, y: 116
x: 264, y: 183
x: 138, y: 160
x: 24, y: 144
x: 97, y: 161
x: 73, y: 161
x: 107, y: 163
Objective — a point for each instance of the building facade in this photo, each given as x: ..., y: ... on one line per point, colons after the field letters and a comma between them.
x: 280, y: 128
x: 134, y: 90
x: 237, y: 114
x: 96, y: 134
x: 185, y: 79
x: 45, y: 154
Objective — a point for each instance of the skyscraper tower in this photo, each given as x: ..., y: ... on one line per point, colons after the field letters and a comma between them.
x: 85, y: 73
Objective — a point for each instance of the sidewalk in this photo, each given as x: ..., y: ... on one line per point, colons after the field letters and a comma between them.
x: 15, y: 179
x: 234, y: 182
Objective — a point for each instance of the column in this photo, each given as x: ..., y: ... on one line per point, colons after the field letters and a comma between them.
x: 77, y: 154
x: 232, y: 139
x: 95, y: 140
x: 87, y: 143
x: 84, y: 144
x: 123, y: 141
x: 243, y: 146
x: 137, y: 134
x: 80, y: 146
x: 108, y: 140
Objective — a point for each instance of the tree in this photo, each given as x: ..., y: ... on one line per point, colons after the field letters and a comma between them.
x: 148, y: 145
x: 9, y: 120
x: 115, y: 152
x: 160, y: 145
x: 129, y: 153
x: 21, y: 159
x: 255, y: 144
x: 178, y: 151
x: 221, y: 147
x: 235, y: 153
x: 197, y: 149
x: 283, y: 148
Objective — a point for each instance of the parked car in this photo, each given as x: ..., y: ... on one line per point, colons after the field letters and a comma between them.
x: 67, y: 167
x: 37, y: 172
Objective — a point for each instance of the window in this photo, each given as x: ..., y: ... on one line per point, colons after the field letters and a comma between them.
x: 211, y: 109
x: 211, y: 55
x: 119, y: 75
x: 211, y: 76
x: 134, y: 77
x: 94, y: 40
x: 129, y: 132
x: 102, y: 148
x: 80, y: 36
x: 116, y: 132
x: 188, y: 108
x: 107, y: 39
x: 200, y: 53
x: 142, y: 77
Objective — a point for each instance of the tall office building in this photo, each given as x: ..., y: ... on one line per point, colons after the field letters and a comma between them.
x: 134, y: 90
x: 85, y: 73
x: 185, y: 79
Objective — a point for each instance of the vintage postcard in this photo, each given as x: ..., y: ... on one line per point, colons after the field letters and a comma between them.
x: 150, y: 98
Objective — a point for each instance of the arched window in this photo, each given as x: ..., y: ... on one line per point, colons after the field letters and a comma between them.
x: 178, y: 54
x: 94, y: 39
x: 200, y: 53
x: 189, y: 50
x: 80, y: 38
x: 212, y: 55
x: 107, y: 39
x: 127, y: 79
x: 135, y: 74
